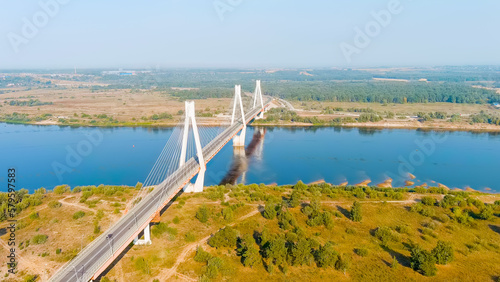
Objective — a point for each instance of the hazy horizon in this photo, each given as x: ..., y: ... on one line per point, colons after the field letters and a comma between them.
x: 57, y: 34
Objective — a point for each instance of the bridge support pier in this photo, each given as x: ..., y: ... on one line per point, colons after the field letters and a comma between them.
x: 147, y: 237
x: 198, y: 184
x: 239, y: 140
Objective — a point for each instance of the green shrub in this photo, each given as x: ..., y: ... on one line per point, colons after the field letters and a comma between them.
x: 39, y: 239
x: 176, y: 220
x: 403, y: 229
x: 361, y: 252
x: 34, y: 215
x: 61, y: 189
x: 54, y: 204
x: 78, y: 215
x: 356, y: 212
x: 190, y: 237
x: 422, y: 261
x: 142, y: 265
x: 158, y: 229
x: 202, y: 214
x: 202, y: 255
x: 343, y: 263
x: 386, y: 235
x: 429, y: 201
x: 443, y: 252
x: 30, y: 278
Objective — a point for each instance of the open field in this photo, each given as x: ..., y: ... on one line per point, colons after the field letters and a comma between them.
x: 63, y: 231
x: 92, y: 103
x: 407, y: 109
x: 124, y: 106
x: 170, y: 257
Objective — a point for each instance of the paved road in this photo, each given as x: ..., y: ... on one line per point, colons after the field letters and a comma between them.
x: 107, y: 247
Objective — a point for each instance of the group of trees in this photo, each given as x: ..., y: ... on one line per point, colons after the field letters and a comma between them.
x: 282, y: 114
x: 484, y: 117
x: 382, y: 92
x: 460, y: 204
x: 425, y: 262
x: 276, y: 250
x: 291, y: 246
x: 430, y: 116
x: 28, y: 103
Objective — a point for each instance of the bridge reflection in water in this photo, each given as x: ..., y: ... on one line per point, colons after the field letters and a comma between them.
x: 241, y: 156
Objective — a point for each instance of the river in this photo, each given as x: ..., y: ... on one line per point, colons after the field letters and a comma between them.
x: 46, y: 156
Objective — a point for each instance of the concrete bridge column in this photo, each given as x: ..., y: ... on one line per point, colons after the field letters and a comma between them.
x: 147, y: 237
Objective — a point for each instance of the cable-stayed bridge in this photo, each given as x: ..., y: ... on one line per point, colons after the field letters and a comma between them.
x: 185, y: 155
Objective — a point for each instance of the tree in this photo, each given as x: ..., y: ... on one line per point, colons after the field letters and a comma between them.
x: 326, y: 256
x: 251, y: 256
x: 300, y: 186
x: 385, y: 235
x: 213, y: 266
x: 356, y: 212
x: 486, y: 213
x: 301, y: 253
x: 225, y: 237
x: 443, y: 252
x: 228, y: 214
x: 276, y: 251
x: 270, y: 210
x: 422, y: 261
x: 294, y: 200
x: 265, y: 236
x: 286, y: 220
x: 343, y: 263
x: 202, y: 214
x: 201, y: 255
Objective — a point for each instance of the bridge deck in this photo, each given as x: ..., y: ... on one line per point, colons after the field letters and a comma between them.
x: 97, y: 256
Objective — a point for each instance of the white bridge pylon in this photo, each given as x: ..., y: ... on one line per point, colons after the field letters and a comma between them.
x: 239, y: 141
x: 190, y: 120
x: 258, y: 96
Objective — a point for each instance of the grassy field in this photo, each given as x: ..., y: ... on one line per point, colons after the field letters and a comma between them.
x: 83, y: 104
x: 170, y: 257
x: 122, y: 107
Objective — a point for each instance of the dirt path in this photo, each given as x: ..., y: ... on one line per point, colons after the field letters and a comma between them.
x: 75, y: 205
x: 167, y: 273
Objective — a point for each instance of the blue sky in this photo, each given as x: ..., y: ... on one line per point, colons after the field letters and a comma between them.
x: 251, y: 34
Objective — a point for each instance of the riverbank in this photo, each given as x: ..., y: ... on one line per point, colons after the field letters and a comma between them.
x: 438, y: 126
x: 55, y: 229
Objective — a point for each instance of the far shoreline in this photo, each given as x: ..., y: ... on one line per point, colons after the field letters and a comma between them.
x: 377, y: 126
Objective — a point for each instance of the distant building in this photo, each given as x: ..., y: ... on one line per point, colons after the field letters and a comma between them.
x: 124, y: 72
